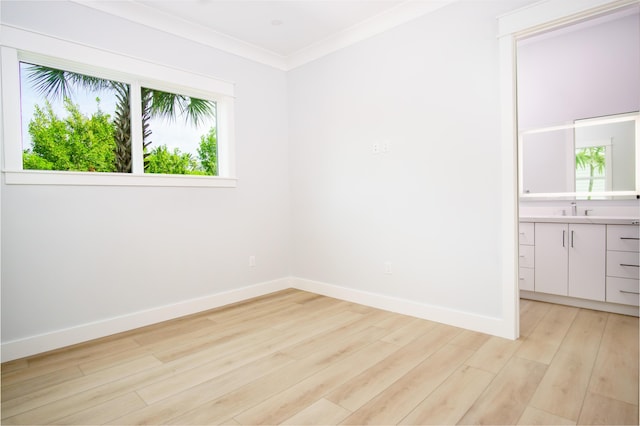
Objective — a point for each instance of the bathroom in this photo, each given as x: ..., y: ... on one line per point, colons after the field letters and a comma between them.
x: 579, y: 183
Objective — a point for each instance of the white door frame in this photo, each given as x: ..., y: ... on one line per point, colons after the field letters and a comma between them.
x: 511, y: 26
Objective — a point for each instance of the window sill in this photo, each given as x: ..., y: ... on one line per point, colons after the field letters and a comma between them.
x: 45, y: 177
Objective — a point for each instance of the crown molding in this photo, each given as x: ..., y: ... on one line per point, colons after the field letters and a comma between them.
x: 551, y: 13
x: 141, y: 14
x: 398, y: 15
x: 147, y: 16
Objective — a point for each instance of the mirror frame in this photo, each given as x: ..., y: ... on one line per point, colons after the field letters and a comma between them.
x: 607, y: 195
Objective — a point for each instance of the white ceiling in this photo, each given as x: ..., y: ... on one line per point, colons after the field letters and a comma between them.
x: 298, y: 24
x: 284, y: 34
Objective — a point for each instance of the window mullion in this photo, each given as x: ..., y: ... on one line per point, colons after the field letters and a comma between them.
x: 137, y: 155
x: 225, y: 129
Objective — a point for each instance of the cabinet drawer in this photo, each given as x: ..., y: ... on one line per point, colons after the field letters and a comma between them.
x: 623, y: 237
x: 526, y: 279
x: 527, y: 234
x: 527, y: 256
x: 623, y: 264
x: 623, y: 290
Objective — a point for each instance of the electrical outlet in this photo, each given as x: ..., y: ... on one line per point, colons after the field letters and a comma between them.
x: 252, y: 261
x: 387, y: 268
x: 375, y: 148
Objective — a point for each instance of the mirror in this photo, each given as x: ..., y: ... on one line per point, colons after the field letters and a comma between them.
x: 578, y: 105
x: 593, y: 158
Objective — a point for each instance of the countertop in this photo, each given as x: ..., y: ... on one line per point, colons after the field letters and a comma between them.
x: 608, y: 220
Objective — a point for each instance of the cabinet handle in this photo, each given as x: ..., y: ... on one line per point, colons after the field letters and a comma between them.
x: 563, y: 233
x: 572, y: 238
x: 627, y: 264
x: 629, y: 292
x: 629, y: 238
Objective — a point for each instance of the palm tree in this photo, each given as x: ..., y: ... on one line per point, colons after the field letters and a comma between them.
x: 592, y: 158
x: 55, y: 83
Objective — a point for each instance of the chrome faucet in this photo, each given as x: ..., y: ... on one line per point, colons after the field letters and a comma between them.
x: 574, y: 209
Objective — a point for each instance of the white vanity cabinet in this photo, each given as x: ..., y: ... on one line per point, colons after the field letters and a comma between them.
x: 570, y: 260
x: 526, y: 273
x: 623, y: 264
x: 585, y: 261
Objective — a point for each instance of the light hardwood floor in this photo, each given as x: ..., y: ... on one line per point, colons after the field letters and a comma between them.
x: 298, y: 358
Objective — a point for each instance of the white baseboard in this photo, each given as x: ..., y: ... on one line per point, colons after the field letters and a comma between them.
x: 466, y: 320
x: 581, y: 303
x: 60, y: 338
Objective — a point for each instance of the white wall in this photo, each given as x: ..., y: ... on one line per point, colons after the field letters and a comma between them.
x: 588, y: 72
x: 72, y: 256
x: 431, y: 205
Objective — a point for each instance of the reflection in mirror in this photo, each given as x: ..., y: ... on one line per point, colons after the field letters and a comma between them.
x: 591, y: 159
x: 605, y: 153
x: 593, y: 168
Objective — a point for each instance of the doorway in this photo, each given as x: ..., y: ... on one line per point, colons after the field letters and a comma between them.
x: 538, y: 20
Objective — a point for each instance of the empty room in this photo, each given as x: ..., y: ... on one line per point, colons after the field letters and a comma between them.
x: 326, y: 212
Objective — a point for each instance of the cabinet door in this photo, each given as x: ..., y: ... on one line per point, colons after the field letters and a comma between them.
x: 551, y: 254
x: 587, y: 260
x: 623, y: 290
x: 527, y: 233
x: 527, y: 257
x: 623, y: 264
x: 623, y: 238
x: 526, y: 279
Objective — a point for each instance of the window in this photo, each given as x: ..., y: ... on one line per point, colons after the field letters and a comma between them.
x: 73, y: 121
x: 179, y: 134
x: 109, y: 119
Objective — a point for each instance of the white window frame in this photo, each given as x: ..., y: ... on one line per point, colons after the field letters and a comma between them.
x: 18, y: 45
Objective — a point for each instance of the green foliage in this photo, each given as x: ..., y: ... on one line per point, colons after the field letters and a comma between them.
x: 102, y: 143
x: 592, y: 159
x: 170, y: 106
x: 33, y: 161
x: 208, y: 152
x: 76, y: 142
x: 161, y: 160
x: 82, y: 143
x: 54, y: 83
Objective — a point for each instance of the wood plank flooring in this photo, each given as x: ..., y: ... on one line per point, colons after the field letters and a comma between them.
x: 297, y: 358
